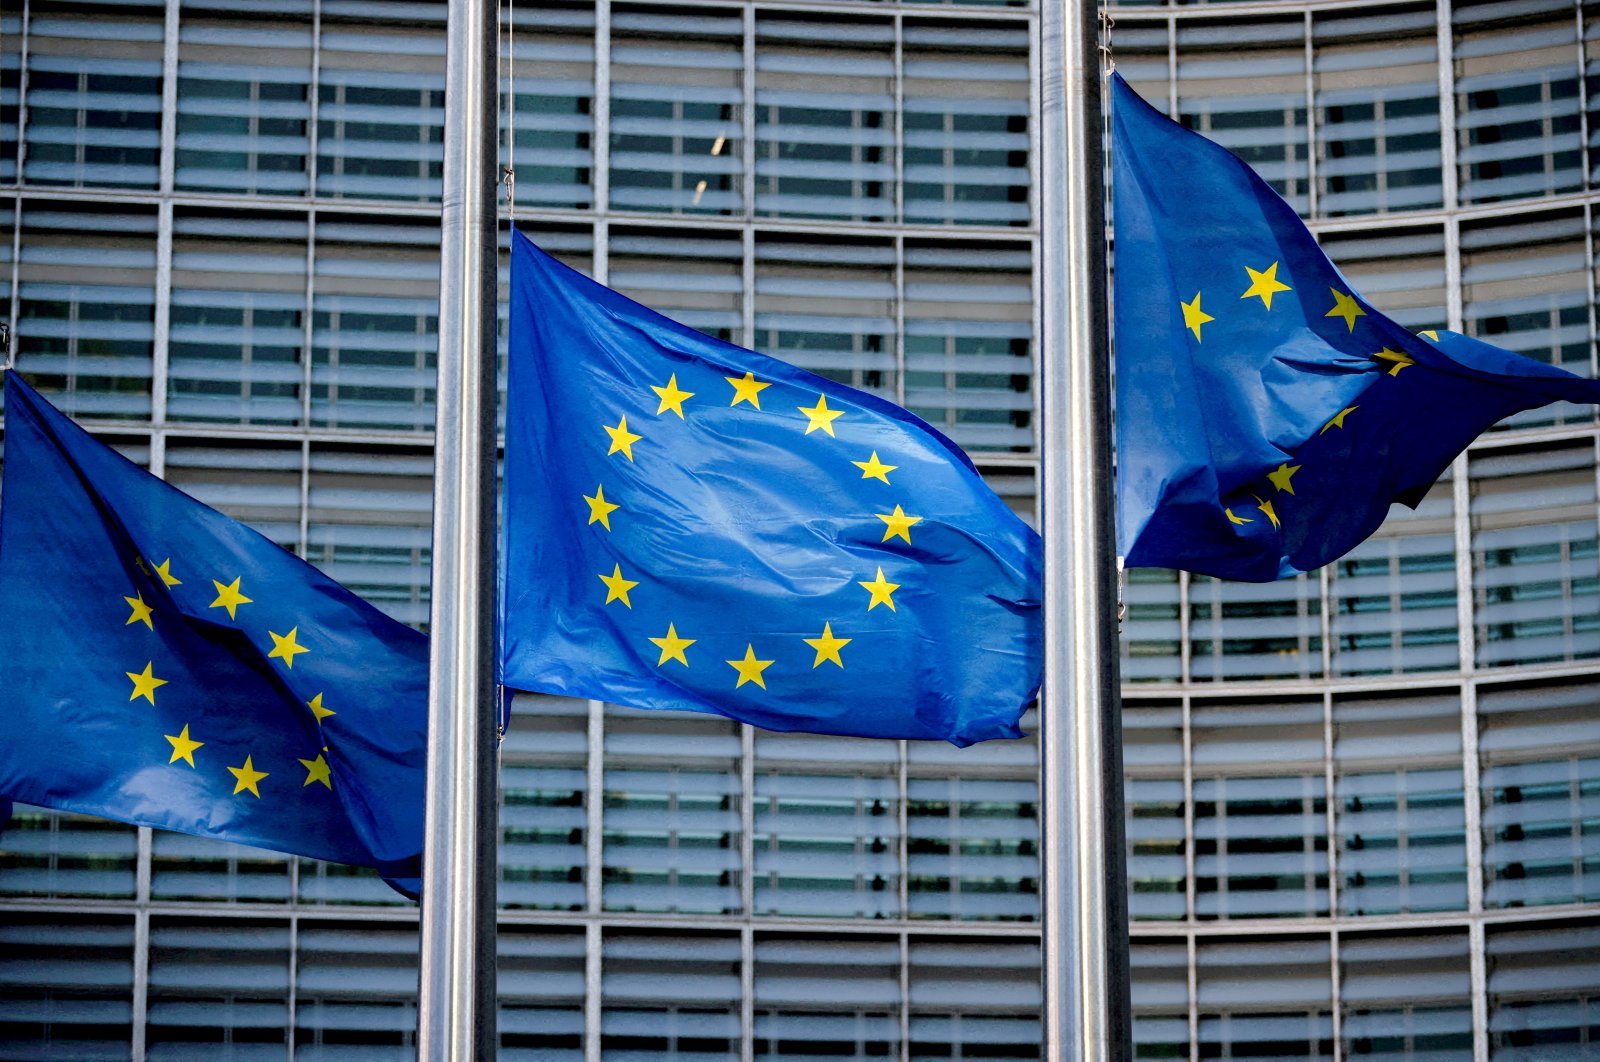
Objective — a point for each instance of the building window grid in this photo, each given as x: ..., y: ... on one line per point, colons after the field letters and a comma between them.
x: 161, y: 432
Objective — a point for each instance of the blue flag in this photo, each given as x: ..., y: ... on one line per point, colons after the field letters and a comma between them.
x: 689, y: 524
x: 166, y: 666
x: 1267, y: 415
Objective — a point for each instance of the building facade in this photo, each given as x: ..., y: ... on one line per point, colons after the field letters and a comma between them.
x: 1364, y: 804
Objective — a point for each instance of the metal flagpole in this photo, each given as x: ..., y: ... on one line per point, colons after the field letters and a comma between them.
x: 1085, y: 908
x: 456, y: 999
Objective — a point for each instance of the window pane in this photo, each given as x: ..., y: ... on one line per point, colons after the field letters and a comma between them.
x: 1254, y: 630
x: 677, y: 126
x: 671, y: 996
x: 1544, y: 992
x: 215, y: 984
x: 1152, y: 629
x: 1160, y: 997
x: 244, y: 105
x: 834, y: 997
x: 827, y: 844
x: 554, y: 110
x: 1152, y: 751
x: 539, y: 977
x: 696, y: 280
x: 94, y: 100
x: 1267, y: 998
x: 1535, y: 555
x: 85, y: 335
x: 237, y: 342
x: 966, y: 93
x: 66, y: 987
x: 355, y: 991
x: 543, y: 804
x: 825, y: 119
x: 55, y: 854
x: 974, y: 999
x: 1406, y: 997
x: 973, y: 848
x: 1518, y: 113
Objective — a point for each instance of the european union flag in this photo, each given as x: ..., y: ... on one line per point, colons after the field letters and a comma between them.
x: 169, y: 667
x: 1267, y: 415
x: 689, y: 524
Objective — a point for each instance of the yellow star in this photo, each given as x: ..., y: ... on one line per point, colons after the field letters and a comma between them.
x: 872, y: 468
x: 1266, y: 507
x: 1280, y: 478
x: 622, y: 439
x: 141, y: 611
x: 1194, y: 316
x: 1345, y: 306
x: 746, y: 389
x: 145, y: 683
x: 672, y: 646
x: 617, y: 587
x: 229, y: 597
x: 750, y: 668
x: 821, y: 416
x: 247, y: 777
x: 164, y: 570
x: 827, y: 646
x: 1236, y: 519
x: 899, y: 524
x: 1264, y: 285
x: 182, y: 747
x: 285, y: 647
x: 315, y: 704
x: 1430, y: 333
x: 881, y: 591
x: 600, y: 510
x: 1400, y: 360
x: 316, y: 771
x: 1338, y: 418
x: 671, y: 397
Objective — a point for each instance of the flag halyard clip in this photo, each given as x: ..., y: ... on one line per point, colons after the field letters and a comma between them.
x: 1107, y: 24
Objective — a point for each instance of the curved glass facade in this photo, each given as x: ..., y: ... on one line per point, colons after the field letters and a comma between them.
x: 1363, y: 804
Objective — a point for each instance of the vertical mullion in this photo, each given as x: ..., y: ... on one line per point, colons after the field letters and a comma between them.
x: 22, y: 118
x: 747, y: 168
x: 1313, y: 205
x: 899, y: 120
x: 747, y: 990
x: 594, y: 810
x: 141, y: 943
x: 163, y: 315
x: 591, y: 992
x: 167, y: 159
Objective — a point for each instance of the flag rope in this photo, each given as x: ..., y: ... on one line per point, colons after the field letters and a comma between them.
x: 508, y: 171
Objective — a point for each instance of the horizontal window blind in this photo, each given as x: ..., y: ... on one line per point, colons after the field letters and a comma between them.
x: 834, y: 998
x: 1254, y: 630
x: 1406, y: 996
x: 670, y: 996
x: 66, y: 987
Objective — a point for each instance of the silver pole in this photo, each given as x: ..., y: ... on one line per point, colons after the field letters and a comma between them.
x: 1085, y: 932
x: 456, y: 998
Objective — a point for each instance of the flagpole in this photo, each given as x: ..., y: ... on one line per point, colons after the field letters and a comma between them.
x: 1087, y: 1013
x: 456, y: 997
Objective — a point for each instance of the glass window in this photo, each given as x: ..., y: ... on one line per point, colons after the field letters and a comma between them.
x: 1256, y: 109
x: 256, y: 483
x: 1400, y: 821
x: 1153, y: 795
x: 85, y: 332
x: 1525, y: 287
x: 1260, y: 814
x: 370, y: 524
x: 552, y: 74
x: 1394, y: 595
x: 1152, y: 627
x: 1544, y: 991
x: 968, y: 340
x: 972, y: 848
x: 827, y: 997
x: 1254, y: 630
x: 375, y: 323
x: 94, y: 99
x: 237, y: 342
x: 1540, y: 748
x: 1268, y: 998
x: 973, y: 998
x: 1405, y: 997
x: 355, y: 991
x: 1399, y: 270
x: 1518, y: 114
x: 220, y: 984
x: 672, y: 822
x: 539, y: 977
x: 380, y: 110
x: 829, y: 306
x: 697, y: 280
x: 66, y: 986
x: 544, y: 804
x: 10, y: 93
x: 1160, y: 997
x: 1535, y: 555
x: 55, y: 854
x: 201, y: 868
x: 825, y: 117
x: 827, y: 844
x: 966, y: 90
x: 671, y: 996
x: 677, y: 118
x: 1376, y: 87
x: 244, y: 104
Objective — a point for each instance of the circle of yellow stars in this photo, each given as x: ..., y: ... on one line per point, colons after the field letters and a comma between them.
x: 146, y: 683
x: 672, y: 647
